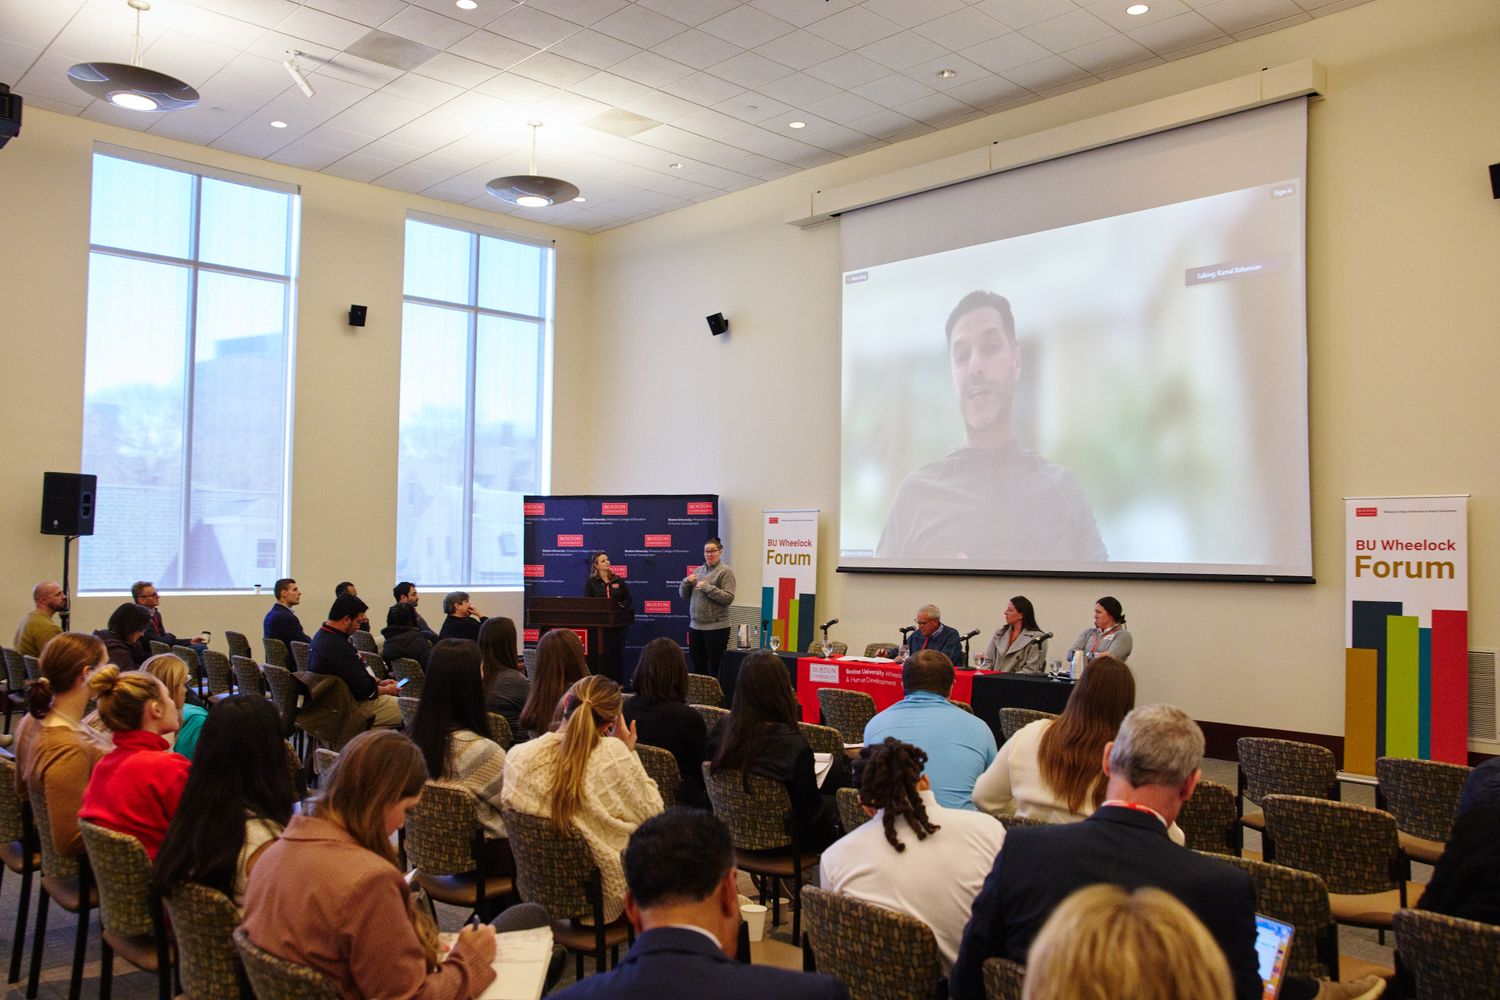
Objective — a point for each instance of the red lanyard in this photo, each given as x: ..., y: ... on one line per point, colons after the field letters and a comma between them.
x: 1137, y: 807
x: 1094, y: 643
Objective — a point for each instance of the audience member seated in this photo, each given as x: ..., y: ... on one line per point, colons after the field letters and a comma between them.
x: 402, y: 638
x: 958, y: 744
x: 1151, y: 769
x: 38, y: 627
x: 1049, y: 770
x: 661, y: 716
x: 136, y: 787
x: 143, y: 592
x: 55, y: 752
x: 1466, y: 881
x: 917, y: 856
x: 1105, y: 942
x: 1483, y: 786
x: 462, y: 621
x: 173, y: 674
x: 281, y: 621
x: 451, y: 732
x: 237, y: 800
x: 761, y: 737
x: 684, y: 905
x: 559, y: 665
x: 405, y: 592
x: 347, y: 587
x: 333, y: 654
x: 586, y: 777
x: 328, y: 894
x: 122, y: 637
x: 505, y: 685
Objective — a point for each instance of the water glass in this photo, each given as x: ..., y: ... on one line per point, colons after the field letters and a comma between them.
x: 775, y: 643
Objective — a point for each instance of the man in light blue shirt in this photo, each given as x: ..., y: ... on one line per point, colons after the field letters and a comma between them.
x: 959, y: 746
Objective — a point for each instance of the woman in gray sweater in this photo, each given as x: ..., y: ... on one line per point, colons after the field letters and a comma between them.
x: 710, y: 589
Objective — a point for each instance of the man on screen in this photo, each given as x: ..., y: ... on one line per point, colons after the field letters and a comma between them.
x: 993, y: 498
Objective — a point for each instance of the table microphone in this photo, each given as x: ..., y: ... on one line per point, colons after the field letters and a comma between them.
x: 828, y: 624
x: 906, y: 631
x: 969, y: 635
x: 1045, y: 636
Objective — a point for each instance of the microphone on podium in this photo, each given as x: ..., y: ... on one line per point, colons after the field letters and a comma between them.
x: 906, y: 631
x: 969, y: 635
x: 828, y: 624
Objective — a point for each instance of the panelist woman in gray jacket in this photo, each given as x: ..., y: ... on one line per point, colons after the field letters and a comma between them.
x: 710, y: 588
x: 1019, y: 646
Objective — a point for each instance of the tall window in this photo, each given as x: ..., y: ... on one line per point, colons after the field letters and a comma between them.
x: 186, y: 376
x: 474, y: 333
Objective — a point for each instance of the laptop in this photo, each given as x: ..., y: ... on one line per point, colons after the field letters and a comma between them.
x: 1273, y: 945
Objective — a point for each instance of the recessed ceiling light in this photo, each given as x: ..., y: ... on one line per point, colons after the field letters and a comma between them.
x: 465, y: 4
x: 796, y: 124
x: 1137, y: 9
x: 580, y: 198
x: 675, y: 166
x: 278, y: 124
x: 947, y: 74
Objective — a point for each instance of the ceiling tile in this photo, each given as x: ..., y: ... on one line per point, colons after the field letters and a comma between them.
x: 752, y: 107
x: 325, y: 29
x: 249, y: 79
x: 476, y: 18
x: 367, y: 12
x: 1108, y: 54
x: 799, y: 89
x: 1242, y: 15
x: 491, y: 49
x: 908, y: 14
x: 460, y: 72
x: 844, y: 107
x: 534, y: 27
x: 888, y: 125
x: 262, y: 12
x: 584, y: 12
x: 935, y: 109
x: 962, y: 29
x: 421, y: 89
x: 651, y: 69
x: 746, y: 27
x: 1270, y: 26
x: 689, y: 11
x: 967, y: 72
x: 1000, y: 54
x: 799, y: 49
x: 214, y: 27
x: 1176, y: 33
x: 426, y: 27
x: 568, y: 107
x: 352, y: 69
x: 710, y: 124
x: 701, y: 88
x: 662, y: 107
x: 890, y: 91
x: 800, y: 12
x: 189, y: 59
x: 848, y: 71
x: 1068, y: 31
x: 547, y: 67
x: 47, y: 104
x: 1016, y: 14
x: 903, y: 51
x: 595, y: 49
x: 609, y: 88
x: 750, y: 70
x: 854, y: 27
x: 1046, y: 74
x: 639, y: 26
x: 378, y: 114
x: 35, y: 33
x: 987, y: 93
x: 697, y: 49
x: 1112, y: 13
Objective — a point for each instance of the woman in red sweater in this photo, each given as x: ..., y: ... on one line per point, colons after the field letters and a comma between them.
x: 136, y: 787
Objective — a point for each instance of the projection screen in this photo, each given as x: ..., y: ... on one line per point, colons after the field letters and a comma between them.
x: 1095, y: 365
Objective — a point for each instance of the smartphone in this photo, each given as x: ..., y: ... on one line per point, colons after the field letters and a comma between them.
x: 402, y: 682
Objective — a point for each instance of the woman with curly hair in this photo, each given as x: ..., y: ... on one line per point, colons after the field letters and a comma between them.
x: 914, y: 856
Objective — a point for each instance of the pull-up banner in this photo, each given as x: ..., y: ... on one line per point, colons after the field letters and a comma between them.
x: 652, y: 543
x: 1406, y: 634
x: 789, y: 576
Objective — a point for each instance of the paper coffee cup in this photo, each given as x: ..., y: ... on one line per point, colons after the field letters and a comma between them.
x: 755, y: 919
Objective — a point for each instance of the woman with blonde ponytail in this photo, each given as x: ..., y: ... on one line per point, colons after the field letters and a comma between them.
x: 55, y: 751
x: 585, y: 776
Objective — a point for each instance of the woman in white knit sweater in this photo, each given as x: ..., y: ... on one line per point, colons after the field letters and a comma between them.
x: 585, y: 776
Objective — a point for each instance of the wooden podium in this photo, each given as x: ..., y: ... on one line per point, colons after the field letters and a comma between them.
x: 600, y: 618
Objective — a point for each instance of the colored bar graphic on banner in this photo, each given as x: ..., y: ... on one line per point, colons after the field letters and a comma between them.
x: 1369, y: 632
x: 1424, y: 693
x: 1450, y: 686
x: 1360, y: 668
x: 807, y: 620
x: 1401, y: 693
x: 789, y: 570
x: 793, y: 612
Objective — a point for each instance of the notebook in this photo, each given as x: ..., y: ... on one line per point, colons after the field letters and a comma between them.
x: 1273, y: 944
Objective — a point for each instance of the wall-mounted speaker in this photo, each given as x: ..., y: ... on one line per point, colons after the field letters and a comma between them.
x: 10, y: 114
x: 717, y: 324
x: 68, y: 503
x: 356, y: 315
x: 1495, y: 179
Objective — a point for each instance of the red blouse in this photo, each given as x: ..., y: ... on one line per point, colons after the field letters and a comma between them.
x: 136, y: 787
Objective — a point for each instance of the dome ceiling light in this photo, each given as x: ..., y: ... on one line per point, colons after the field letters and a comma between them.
x: 532, y: 190
x: 132, y: 86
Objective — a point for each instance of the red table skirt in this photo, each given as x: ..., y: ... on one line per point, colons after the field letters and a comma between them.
x: 882, y: 681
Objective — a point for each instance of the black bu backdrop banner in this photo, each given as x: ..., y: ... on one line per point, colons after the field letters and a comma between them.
x: 652, y: 542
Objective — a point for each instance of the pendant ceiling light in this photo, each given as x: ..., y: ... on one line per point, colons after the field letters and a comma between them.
x: 532, y: 190
x: 132, y: 86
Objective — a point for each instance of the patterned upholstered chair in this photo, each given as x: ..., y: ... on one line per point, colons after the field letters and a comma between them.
x: 15, y: 684
x: 528, y: 660
x: 1013, y: 720
x: 374, y: 664
x: 1448, y: 956
x: 1011, y: 822
x: 362, y: 641
x: 203, y: 923
x: 879, y: 954
x: 277, y: 654
x: 1423, y: 795
x: 1301, y: 899
x: 500, y: 730
x: 712, y: 715
x: 886, y: 649
x: 1003, y: 979
x: 758, y: 812
x: 408, y: 708
x: 1282, y: 767
x: 189, y: 658
x: 846, y: 711
x: 961, y: 704
x: 300, y: 653
x: 1209, y: 819
x: 323, y: 761
x: 405, y: 668
x: 247, y: 675
x: 823, y: 739
x: 69, y: 882
x: 275, y: 978
x: 704, y: 690
x: 557, y: 871
x: 832, y: 649
x: 18, y: 853
x: 663, y: 769
x: 219, y: 673
x: 445, y: 843
x: 32, y: 667
x: 851, y: 813
x: 129, y: 911
x: 1352, y: 848
x: 158, y: 648
x: 284, y: 694
x: 239, y: 645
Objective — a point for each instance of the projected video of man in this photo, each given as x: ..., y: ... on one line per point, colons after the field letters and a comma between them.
x: 993, y: 498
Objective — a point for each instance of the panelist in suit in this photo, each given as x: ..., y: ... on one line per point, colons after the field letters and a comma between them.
x: 932, y: 634
x: 685, y: 908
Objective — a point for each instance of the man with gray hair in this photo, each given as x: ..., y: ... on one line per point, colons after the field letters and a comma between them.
x: 1152, y: 769
x: 932, y: 634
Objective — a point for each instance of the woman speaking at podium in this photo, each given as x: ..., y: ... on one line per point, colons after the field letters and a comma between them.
x: 602, y: 582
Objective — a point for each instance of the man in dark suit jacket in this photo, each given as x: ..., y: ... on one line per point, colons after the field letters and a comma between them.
x: 932, y: 634
x: 1152, y: 767
x: 684, y: 905
x: 281, y: 621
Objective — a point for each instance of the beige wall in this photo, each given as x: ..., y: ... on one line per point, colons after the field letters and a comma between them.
x: 1404, y: 250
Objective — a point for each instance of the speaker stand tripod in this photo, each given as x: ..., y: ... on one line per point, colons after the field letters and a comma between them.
x: 67, y: 611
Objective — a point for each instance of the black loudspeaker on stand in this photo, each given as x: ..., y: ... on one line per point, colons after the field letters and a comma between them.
x: 68, y: 510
